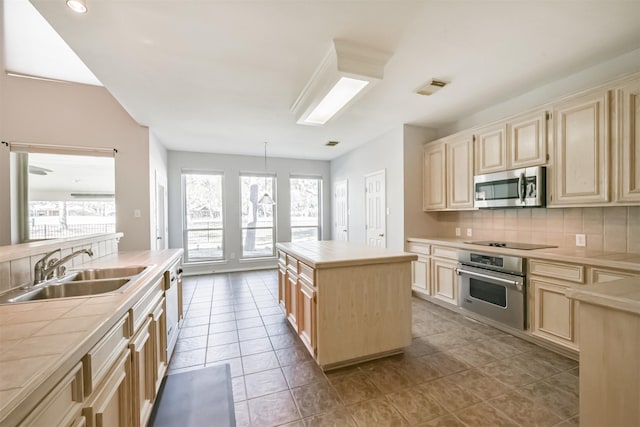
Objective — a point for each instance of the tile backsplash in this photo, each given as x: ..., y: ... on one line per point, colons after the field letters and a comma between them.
x: 611, y: 229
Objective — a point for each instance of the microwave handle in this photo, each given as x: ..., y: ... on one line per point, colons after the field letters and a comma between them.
x: 521, y: 188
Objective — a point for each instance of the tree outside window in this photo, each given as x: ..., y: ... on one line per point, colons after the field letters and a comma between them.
x: 305, y: 208
x: 257, y: 218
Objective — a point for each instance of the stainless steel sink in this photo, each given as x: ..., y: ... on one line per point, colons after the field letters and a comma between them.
x: 70, y: 289
x: 78, y: 283
x: 106, y: 273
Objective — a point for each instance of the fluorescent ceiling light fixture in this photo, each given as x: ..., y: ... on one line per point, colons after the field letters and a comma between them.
x: 78, y: 6
x: 345, y: 71
x: 34, y: 49
x: 344, y: 91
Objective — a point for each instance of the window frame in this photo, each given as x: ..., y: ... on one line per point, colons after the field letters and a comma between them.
x: 185, y: 230
x: 274, y: 235
x: 318, y: 227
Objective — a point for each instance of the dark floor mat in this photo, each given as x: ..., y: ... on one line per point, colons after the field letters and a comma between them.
x: 202, y: 397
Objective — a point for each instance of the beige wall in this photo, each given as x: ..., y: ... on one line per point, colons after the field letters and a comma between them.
x: 69, y: 114
x: 611, y: 229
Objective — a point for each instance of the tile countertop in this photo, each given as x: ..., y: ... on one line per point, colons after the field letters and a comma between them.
x: 41, y: 341
x: 614, y: 260
x: 336, y: 253
x: 621, y: 295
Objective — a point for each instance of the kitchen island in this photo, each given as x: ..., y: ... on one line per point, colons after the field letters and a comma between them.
x: 347, y: 302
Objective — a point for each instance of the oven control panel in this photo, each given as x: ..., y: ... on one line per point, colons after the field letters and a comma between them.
x: 494, y: 261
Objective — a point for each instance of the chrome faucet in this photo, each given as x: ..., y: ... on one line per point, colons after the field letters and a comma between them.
x: 43, y: 270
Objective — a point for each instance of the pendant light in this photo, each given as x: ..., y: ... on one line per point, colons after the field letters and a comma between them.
x: 266, y: 199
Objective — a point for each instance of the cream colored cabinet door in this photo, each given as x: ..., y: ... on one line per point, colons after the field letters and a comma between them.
x: 581, y: 151
x: 110, y: 404
x: 142, y: 373
x: 292, y: 299
x: 420, y: 271
x: 434, y: 190
x: 460, y: 172
x: 307, y: 316
x: 159, y: 336
x: 445, y: 280
x: 491, y: 149
x: 553, y: 315
x: 527, y: 140
x: 627, y: 144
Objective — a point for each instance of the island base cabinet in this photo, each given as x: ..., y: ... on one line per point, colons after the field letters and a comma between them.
x: 609, y: 378
x: 109, y: 405
x: 307, y: 317
x: 362, y: 312
x: 282, y: 285
x: 291, y: 300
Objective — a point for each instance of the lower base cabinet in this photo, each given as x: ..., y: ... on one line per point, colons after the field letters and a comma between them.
x: 420, y: 275
x: 553, y: 314
x: 445, y: 280
x: 143, y: 372
x: 110, y: 404
x: 307, y: 317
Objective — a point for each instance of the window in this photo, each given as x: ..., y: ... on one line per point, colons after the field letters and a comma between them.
x: 203, y: 229
x: 305, y: 208
x: 66, y: 194
x: 258, y: 218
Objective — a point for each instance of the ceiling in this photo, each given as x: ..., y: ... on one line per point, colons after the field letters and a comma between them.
x: 220, y: 76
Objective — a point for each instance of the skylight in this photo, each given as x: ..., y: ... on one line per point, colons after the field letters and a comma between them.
x: 33, y: 48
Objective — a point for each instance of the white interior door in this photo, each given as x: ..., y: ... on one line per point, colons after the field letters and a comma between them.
x: 376, y: 218
x: 341, y: 210
x: 161, y: 209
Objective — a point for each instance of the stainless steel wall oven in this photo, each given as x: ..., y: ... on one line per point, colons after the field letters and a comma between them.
x: 493, y: 286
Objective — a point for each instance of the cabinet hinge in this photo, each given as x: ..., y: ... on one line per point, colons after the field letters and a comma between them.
x: 548, y: 157
x: 548, y: 116
x: 315, y: 298
x: 473, y: 138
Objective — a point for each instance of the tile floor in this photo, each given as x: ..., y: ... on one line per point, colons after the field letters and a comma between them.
x: 457, y: 372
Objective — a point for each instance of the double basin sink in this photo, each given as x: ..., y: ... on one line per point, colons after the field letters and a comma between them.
x: 76, y: 284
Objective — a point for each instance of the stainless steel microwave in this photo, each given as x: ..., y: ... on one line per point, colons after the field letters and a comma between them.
x: 513, y: 188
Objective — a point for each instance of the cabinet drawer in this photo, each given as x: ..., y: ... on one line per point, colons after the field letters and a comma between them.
x: 100, y: 358
x: 292, y: 264
x: 62, y: 405
x: 570, y: 272
x: 441, y: 252
x: 282, y: 257
x: 306, y: 274
x: 419, y: 248
x: 600, y: 275
x: 141, y: 310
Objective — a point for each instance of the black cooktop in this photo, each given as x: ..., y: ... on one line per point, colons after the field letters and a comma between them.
x: 512, y: 245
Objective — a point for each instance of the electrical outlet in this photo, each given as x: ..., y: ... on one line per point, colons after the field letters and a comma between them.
x: 458, y: 231
x: 137, y: 213
x: 469, y: 232
x: 581, y: 240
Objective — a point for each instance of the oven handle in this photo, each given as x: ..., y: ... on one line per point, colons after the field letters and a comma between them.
x: 521, y: 188
x: 518, y: 285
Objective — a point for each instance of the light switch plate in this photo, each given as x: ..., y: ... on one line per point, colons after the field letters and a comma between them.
x: 469, y: 232
x: 581, y: 240
x: 137, y: 213
x: 458, y: 231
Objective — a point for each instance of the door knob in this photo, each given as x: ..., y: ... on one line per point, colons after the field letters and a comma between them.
x: 381, y: 235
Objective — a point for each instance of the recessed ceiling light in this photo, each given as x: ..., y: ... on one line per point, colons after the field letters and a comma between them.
x: 78, y: 6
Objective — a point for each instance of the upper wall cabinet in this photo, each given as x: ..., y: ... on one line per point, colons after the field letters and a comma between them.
x: 516, y: 143
x: 627, y: 142
x: 581, y: 151
x: 448, y: 174
x: 434, y: 182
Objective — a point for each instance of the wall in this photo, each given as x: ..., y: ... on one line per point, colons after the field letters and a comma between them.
x: 611, y: 229
x: 384, y: 152
x: 232, y: 166
x: 417, y: 223
x: 5, y: 188
x: 579, y: 81
x: 158, y: 161
x: 69, y: 114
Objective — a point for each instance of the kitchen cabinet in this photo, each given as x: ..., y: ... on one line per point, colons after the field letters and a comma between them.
x: 142, y: 373
x: 448, y: 174
x: 62, y: 406
x: 420, y: 268
x: 627, y: 143
x: 351, y: 302
x: 460, y: 172
x: 553, y: 315
x: 307, y: 310
x: 444, y: 261
x: 581, y: 151
x: 518, y: 142
x: 491, y: 149
x: 159, y: 332
x: 282, y: 279
x: 434, y: 181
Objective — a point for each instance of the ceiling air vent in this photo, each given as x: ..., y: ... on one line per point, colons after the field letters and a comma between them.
x: 332, y: 143
x: 431, y: 87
